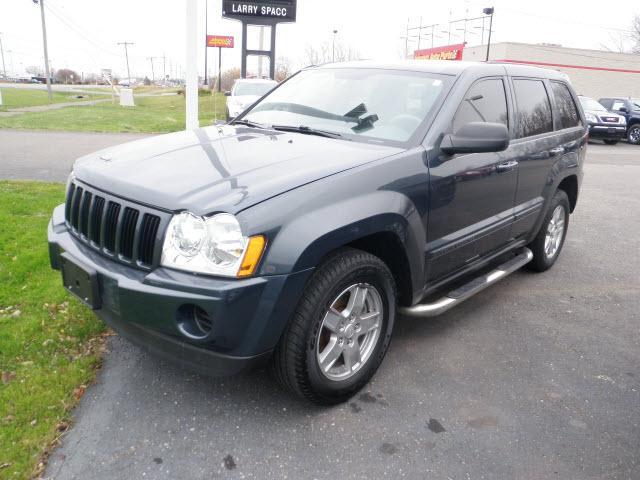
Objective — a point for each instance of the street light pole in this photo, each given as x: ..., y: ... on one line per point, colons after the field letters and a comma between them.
x: 333, y: 50
x: 206, y: 48
x: 489, y: 11
x: 126, y: 56
x: 4, y: 69
x: 153, y: 75
x: 46, y: 51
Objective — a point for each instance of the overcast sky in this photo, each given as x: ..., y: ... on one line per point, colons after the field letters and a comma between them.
x: 83, y: 34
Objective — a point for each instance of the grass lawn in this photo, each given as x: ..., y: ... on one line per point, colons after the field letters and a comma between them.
x: 49, y: 342
x: 150, y: 115
x: 22, y: 97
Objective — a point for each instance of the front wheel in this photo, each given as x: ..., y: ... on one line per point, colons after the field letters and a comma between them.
x: 550, y: 239
x: 340, y: 331
x: 633, y: 135
x: 611, y: 142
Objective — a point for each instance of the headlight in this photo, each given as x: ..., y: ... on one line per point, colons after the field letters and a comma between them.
x: 591, y: 118
x: 623, y: 120
x: 213, y: 245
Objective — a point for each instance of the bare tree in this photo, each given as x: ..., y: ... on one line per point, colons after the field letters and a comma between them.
x: 35, y: 71
x: 635, y: 34
x: 66, y: 75
x: 618, y: 42
x: 326, y: 52
x: 283, y: 69
x: 228, y: 77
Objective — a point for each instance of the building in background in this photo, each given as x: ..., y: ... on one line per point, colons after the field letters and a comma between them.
x: 593, y: 73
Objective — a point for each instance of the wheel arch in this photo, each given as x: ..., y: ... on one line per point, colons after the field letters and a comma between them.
x: 569, y: 185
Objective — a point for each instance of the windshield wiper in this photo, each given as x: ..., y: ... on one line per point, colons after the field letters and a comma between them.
x: 306, y: 130
x: 248, y: 123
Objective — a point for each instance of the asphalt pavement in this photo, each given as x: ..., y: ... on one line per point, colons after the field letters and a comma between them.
x: 536, y: 377
x: 47, y: 155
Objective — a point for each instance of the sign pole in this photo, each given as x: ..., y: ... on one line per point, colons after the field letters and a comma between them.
x: 219, y: 69
x: 191, y: 78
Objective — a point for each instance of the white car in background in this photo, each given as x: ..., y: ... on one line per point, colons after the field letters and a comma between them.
x: 244, y: 93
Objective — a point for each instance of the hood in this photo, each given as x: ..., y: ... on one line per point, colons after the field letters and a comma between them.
x: 227, y: 168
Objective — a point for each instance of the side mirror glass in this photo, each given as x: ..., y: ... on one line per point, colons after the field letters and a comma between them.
x: 476, y: 137
x: 227, y: 93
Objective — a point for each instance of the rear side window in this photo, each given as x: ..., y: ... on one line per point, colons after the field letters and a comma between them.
x: 617, y: 105
x: 534, y: 108
x: 606, y: 103
x: 485, y: 101
x: 567, y: 111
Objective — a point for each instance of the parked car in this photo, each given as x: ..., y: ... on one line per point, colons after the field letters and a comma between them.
x: 629, y: 108
x: 244, y: 93
x: 296, y: 234
x: 603, y: 124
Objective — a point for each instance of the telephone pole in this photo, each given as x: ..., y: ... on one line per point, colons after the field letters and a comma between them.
x: 164, y: 68
x: 206, y: 48
x: 4, y: 69
x: 46, y: 51
x: 153, y: 75
x: 126, y: 55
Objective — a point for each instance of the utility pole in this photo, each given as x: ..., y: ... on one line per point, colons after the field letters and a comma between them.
x: 46, y: 51
x: 206, y: 48
x: 126, y: 55
x: 164, y: 68
x: 260, y: 47
x: 489, y: 11
x: 4, y: 69
x: 153, y: 75
x: 333, y: 55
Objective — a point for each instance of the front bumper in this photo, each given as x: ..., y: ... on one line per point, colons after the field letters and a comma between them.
x: 248, y: 316
x: 606, y: 131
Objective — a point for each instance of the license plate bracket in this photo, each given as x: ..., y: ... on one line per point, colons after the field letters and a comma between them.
x: 81, y: 280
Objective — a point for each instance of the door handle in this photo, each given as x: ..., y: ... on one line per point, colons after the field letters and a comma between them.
x: 557, y: 151
x: 506, y: 166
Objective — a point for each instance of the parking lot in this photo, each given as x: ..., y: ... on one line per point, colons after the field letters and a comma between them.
x: 534, y: 378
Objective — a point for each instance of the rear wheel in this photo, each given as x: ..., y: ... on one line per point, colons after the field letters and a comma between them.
x: 611, y: 142
x: 340, y: 331
x: 633, y: 135
x: 548, y: 243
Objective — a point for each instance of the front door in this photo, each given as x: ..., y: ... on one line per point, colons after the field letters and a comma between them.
x: 472, y: 195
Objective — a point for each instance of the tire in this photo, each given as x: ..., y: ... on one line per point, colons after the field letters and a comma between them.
x: 633, y: 134
x: 611, y: 142
x: 542, y: 260
x: 296, y: 361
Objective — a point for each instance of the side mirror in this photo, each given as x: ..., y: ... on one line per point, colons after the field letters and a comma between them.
x: 227, y: 93
x: 624, y: 110
x: 476, y: 137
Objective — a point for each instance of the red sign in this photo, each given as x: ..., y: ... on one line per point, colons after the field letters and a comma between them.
x: 448, y: 52
x: 220, y: 41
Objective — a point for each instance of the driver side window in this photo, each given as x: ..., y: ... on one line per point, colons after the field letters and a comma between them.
x: 486, y: 101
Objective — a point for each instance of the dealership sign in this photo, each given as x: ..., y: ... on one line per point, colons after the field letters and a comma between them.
x: 448, y: 52
x: 278, y: 10
x: 220, y: 41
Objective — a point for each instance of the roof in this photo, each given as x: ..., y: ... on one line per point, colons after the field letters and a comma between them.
x: 255, y: 80
x: 449, y: 67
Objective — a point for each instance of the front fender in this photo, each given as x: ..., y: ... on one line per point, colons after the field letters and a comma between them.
x: 304, y: 241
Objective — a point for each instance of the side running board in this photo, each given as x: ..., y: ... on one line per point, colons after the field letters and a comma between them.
x: 476, y: 285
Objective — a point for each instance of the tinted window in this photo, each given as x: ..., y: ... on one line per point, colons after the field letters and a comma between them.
x: 484, y: 102
x: 567, y: 111
x: 606, y: 102
x: 534, y: 108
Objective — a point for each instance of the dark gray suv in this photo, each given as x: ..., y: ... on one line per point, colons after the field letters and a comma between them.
x: 296, y: 234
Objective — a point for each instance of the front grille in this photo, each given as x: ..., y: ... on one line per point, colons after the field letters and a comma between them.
x: 605, y: 119
x: 119, y: 229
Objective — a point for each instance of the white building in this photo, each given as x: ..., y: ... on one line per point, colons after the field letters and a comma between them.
x: 593, y: 73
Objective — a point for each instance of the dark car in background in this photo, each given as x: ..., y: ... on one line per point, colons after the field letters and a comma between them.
x: 629, y: 108
x: 603, y: 124
x: 297, y: 233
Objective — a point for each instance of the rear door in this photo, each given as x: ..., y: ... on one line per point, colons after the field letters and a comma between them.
x: 537, y: 146
x: 471, y: 206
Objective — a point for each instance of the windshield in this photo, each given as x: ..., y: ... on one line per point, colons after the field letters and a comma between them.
x: 353, y: 102
x: 636, y: 102
x: 591, y: 104
x: 257, y: 89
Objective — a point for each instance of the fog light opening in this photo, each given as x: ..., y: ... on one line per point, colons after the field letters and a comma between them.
x: 194, y: 322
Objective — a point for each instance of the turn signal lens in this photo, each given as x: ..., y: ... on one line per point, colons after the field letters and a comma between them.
x: 252, y: 256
